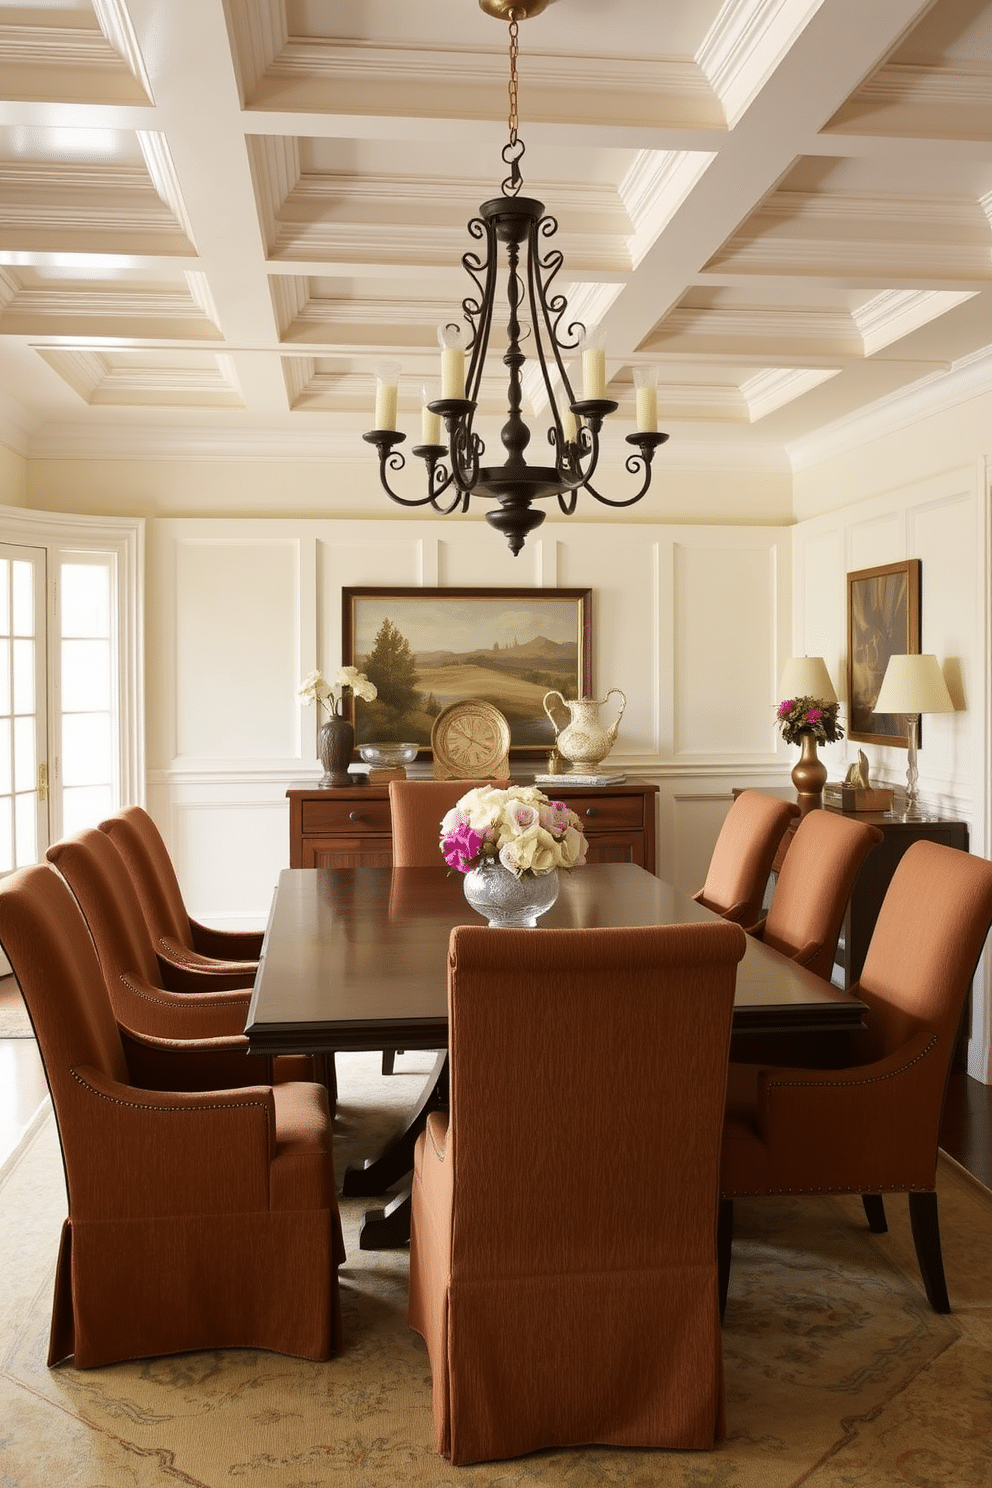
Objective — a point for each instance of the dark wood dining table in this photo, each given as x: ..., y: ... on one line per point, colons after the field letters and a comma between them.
x: 356, y: 958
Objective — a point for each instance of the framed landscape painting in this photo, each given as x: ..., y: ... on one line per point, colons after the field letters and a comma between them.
x: 427, y: 648
x: 883, y: 620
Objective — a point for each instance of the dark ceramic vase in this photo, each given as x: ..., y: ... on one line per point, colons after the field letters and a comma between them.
x: 335, y: 745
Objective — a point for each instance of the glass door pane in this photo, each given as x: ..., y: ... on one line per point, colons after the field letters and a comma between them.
x: 23, y: 804
x: 88, y: 694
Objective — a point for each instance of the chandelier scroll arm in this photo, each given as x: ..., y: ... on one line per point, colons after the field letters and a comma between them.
x: 647, y: 444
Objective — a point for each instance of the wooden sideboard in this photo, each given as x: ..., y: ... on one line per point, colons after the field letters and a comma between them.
x: 350, y: 827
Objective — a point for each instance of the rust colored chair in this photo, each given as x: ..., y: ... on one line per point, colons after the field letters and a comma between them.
x: 417, y: 808
x: 194, y: 1004
x: 197, y: 1219
x: 176, y: 937
x: 563, y: 1250
x: 872, y: 1127
x: 743, y: 855
x: 813, y: 888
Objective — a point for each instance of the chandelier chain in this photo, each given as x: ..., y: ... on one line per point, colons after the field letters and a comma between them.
x: 512, y: 87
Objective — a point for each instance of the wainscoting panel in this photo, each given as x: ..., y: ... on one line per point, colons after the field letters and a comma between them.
x: 237, y: 607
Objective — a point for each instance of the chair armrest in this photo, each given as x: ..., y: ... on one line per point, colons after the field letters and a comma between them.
x: 192, y: 1064
x: 876, y: 1124
x: 214, y: 1013
x: 226, y: 945
x: 180, y: 977
x: 167, y: 1152
x: 807, y: 953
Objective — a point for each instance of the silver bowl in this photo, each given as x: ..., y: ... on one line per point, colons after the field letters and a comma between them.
x: 388, y: 756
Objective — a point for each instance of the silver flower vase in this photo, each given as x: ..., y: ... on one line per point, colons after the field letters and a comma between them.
x: 507, y: 901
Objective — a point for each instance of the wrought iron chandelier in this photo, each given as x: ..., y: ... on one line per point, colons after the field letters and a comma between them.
x: 455, y: 471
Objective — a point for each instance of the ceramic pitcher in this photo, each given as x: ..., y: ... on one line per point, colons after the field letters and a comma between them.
x: 584, y: 742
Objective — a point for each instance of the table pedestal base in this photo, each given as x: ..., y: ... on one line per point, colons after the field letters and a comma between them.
x: 389, y: 1228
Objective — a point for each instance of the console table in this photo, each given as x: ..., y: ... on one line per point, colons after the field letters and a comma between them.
x: 350, y: 826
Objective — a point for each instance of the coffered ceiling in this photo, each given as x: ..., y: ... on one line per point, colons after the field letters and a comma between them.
x: 217, y: 215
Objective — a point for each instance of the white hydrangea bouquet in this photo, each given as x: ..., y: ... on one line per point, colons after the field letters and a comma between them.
x: 332, y: 694
x: 518, y: 827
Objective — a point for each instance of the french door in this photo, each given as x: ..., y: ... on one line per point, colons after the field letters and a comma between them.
x: 24, y: 811
x: 69, y: 747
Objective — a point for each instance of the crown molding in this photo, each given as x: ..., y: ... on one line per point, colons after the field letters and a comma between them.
x: 936, y: 393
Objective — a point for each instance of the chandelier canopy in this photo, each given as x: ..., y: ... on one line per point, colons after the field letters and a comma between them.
x: 455, y: 470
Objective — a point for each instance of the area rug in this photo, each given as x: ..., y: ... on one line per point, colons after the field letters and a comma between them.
x: 14, y: 1021
x: 838, y: 1374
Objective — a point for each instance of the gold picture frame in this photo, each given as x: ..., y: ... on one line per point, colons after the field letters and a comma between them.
x: 883, y: 620
x: 506, y: 647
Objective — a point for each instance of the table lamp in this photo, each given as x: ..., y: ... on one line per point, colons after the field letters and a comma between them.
x: 913, y: 685
x: 807, y: 677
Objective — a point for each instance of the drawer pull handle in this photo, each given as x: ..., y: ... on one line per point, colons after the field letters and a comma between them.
x: 590, y: 811
x: 354, y: 816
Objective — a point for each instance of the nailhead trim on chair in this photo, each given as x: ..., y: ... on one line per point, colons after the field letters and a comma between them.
x: 115, y: 1100
x: 203, y: 999
x: 837, y: 1084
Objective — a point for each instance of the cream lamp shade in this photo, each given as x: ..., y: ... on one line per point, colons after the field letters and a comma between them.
x: 913, y: 684
x: 807, y: 676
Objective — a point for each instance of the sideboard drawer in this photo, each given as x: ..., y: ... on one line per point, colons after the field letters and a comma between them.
x: 350, y: 826
x: 599, y: 813
x: 345, y: 817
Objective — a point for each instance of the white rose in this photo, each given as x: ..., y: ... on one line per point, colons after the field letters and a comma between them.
x: 534, y: 852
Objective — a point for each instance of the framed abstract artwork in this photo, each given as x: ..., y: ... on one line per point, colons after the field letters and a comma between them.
x: 883, y: 620
x: 428, y: 648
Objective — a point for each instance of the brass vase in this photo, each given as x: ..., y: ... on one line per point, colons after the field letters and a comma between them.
x: 809, y: 776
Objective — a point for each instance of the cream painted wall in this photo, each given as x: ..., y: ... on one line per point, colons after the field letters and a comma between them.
x: 922, y: 493
x: 13, y: 478
x: 238, y: 611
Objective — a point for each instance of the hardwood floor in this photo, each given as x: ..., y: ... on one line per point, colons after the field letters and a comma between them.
x: 966, y: 1132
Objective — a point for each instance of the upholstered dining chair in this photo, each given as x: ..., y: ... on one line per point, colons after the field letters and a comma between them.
x: 416, y: 808
x: 813, y: 888
x: 196, y: 1219
x: 563, y: 1256
x: 871, y: 1127
x: 743, y: 855
x: 157, y: 999
x: 176, y: 936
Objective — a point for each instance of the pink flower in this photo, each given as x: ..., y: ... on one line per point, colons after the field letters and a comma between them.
x: 462, y: 846
x: 554, y: 817
x: 813, y: 716
x: 784, y: 709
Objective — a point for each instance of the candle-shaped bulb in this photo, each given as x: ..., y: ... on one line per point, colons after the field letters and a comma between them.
x: 646, y: 395
x: 387, y: 377
x: 594, y: 364
x: 569, y: 426
x: 430, y: 423
x: 452, y: 341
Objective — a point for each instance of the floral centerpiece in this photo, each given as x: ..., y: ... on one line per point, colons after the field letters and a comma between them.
x: 510, y: 844
x: 336, y: 739
x: 518, y: 827
x: 808, y: 715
